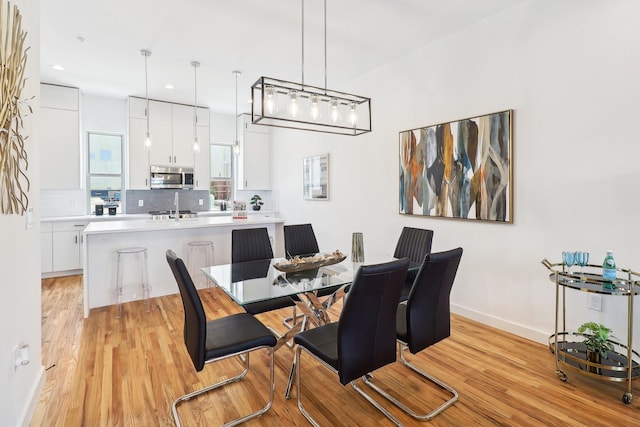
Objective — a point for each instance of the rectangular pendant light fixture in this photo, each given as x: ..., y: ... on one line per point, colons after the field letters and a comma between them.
x: 286, y: 104
x: 291, y: 105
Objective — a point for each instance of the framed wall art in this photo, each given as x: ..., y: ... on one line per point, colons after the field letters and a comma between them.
x: 461, y: 169
x: 315, y: 173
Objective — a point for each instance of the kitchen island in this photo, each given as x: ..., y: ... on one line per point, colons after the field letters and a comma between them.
x: 102, y: 239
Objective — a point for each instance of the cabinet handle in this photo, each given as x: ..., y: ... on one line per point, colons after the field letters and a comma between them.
x: 146, y: 182
x: 76, y: 240
x: 246, y: 184
x: 174, y: 159
x: 169, y: 159
x: 81, y: 239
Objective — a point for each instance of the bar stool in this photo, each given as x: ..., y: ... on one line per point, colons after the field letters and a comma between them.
x: 200, y: 254
x: 134, y: 260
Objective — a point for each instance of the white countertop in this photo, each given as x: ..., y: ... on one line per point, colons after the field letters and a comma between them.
x: 128, y: 217
x: 103, y: 227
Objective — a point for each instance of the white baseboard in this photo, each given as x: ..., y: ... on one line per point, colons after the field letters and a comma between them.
x: 505, y: 325
x: 34, y: 398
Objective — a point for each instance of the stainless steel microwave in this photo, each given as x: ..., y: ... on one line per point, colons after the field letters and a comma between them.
x: 171, y: 177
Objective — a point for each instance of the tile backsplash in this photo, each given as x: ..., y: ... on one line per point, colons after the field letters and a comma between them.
x: 162, y: 200
x: 57, y: 203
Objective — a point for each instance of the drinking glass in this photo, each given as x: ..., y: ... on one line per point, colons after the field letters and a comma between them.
x: 568, y: 258
x: 582, y: 259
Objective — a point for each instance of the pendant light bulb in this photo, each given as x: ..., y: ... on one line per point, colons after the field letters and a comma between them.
x: 147, y: 139
x: 315, y: 108
x: 271, y: 103
x: 334, y: 110
x: 353, y: 116
x: 294, y: 108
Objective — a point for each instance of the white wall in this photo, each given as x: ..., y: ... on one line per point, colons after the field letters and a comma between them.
x: 570, y: 73
x: 20, y: 255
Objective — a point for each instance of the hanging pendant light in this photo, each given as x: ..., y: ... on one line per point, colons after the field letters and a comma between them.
x: 147, y: 138
x: 196, y: 144
x: 355, y: 120
x: 236, y: 144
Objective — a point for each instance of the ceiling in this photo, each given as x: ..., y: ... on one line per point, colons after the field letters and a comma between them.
x: 99, y: 42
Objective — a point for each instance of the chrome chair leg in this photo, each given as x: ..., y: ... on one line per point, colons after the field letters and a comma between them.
x: 375, y: 403
x: 188, y: 396
x: 308, y: 416
x: 421, y: 417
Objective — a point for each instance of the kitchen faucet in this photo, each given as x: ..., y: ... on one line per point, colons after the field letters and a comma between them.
x: 176, y: 202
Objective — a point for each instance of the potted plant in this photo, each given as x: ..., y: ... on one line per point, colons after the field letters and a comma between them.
x: 256, y: 201
x: 597, y: 343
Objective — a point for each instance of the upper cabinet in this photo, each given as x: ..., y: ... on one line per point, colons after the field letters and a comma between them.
x: 60, y: 137
x: 254, y: 160
x: 171, y: 129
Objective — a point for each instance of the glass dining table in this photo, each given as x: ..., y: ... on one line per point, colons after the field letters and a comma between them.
x: 256, y: 281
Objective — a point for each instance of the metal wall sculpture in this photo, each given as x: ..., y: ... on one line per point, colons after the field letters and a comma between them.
x: 461, y: 169
x: 14, y: 183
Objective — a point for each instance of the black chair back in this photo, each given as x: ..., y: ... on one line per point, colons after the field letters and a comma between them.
x: 300, y: 240
x: 195, y: 321
x: 367, y: 327
x: 250, y: 244
x: 428, y: 316
x: 413, y: 243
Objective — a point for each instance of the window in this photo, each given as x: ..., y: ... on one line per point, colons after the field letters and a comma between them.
x: 221, y: 175
x: 105, y: 170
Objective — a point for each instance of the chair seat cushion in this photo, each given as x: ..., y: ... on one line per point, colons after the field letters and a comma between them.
x: 401, y: 322
x: 236, y: 333
x: 322, y: 342
x: 269, y: 305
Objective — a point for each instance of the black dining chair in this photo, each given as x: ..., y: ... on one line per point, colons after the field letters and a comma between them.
x: 413, y: 243
x: 364, y: 338
x: 253, y: 244
x: 426, y: 319
x: 214, y: 340
x: 300, y: 240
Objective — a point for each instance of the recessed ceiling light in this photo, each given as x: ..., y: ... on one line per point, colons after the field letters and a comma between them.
x: 168, y: 86
x: 57, y: 67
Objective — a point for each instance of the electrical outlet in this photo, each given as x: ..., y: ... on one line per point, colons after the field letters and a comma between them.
x: 140, y: 203
x: 595, y: 302
x: 200, y: 202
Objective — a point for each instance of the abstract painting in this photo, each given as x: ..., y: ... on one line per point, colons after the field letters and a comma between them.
x: 461, y: 169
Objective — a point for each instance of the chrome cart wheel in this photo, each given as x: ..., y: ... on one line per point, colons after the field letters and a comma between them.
x: 627, y: 397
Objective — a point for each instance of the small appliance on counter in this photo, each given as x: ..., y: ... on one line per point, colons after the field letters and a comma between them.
x: 164, y: 215
x: 106, y: 200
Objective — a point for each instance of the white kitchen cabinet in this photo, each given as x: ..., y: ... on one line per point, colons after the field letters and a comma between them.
x: 60, y: 137
x: 254, y: 160
x: 138, y: 177
x: 161, y: 130
x: 46, y: 247
x: 182, y: 131
x: 67, y: 245
x: 171, y: 129
x: 202, y: 160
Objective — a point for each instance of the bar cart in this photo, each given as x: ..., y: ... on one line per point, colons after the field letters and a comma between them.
x: 620, y: 365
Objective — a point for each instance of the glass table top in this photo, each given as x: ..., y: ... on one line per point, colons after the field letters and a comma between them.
x: 254, y: 281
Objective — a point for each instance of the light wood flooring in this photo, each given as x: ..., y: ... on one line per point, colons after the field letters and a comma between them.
x: 102, y: 371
